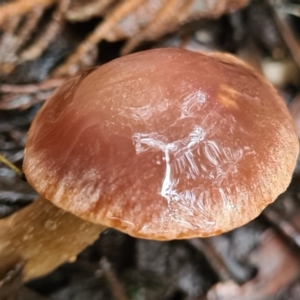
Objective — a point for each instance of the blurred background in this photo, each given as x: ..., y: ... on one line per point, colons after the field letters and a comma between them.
x: 43, y: 42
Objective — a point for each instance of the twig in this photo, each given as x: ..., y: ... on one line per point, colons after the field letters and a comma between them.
x: 70, y: 67
x: 21, y: 7
x: 117, y: 288
x: 31, y: 88
x: 31, y: 22
x: 216, y: 261
x: 168, y: 16
x: 284, y: 226
x: 11, y: 41
x: 89, y: 10
x: 23, y: 96
x: 53, y: 28
x: 287, y: 34
x: 11, y: 166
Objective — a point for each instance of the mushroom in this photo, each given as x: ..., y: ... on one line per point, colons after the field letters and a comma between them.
x: 162, y: 144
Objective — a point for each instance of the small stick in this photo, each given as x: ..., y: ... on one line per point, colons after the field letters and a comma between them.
x: 283, y: 225
x: 32, y: 20
x: 163, y: 21
x: 31, y: 88
x: 70, y: 67
x: 9, y: 164
x: 216, y: 261
x: 117, y: 288
x: 21, y: 7
x: 87, y: 11
x: 53, y: 28
x: 287, y: 35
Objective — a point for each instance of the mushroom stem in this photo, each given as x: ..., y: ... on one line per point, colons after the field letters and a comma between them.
x: 43, y: 237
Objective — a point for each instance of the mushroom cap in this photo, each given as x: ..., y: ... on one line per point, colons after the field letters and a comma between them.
x: 163, y: 144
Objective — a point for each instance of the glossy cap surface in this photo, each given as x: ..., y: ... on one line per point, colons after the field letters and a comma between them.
x: 163, y: 144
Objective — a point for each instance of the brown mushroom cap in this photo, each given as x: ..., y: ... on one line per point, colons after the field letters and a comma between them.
x: 163, y: 144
